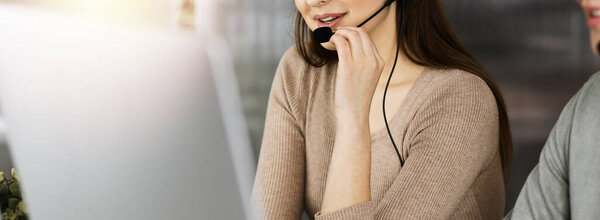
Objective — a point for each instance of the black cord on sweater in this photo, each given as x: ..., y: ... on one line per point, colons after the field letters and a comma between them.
x: 388, y: 84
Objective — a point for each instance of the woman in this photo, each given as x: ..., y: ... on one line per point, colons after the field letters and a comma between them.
x: 326, y: 148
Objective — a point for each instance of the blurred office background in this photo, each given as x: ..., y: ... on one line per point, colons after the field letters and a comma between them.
x: 537, y: 50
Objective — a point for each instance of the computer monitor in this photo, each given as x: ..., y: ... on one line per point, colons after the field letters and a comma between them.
x: 120, y: 122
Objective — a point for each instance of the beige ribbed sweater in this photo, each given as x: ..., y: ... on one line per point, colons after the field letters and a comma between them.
x: 447, y: 130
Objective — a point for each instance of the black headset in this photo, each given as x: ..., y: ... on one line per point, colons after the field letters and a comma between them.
x: 323, y: 34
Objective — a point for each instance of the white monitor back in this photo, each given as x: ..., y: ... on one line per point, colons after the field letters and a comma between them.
x: 114, y: 122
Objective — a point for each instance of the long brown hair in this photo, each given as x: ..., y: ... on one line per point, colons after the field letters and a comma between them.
x: 428, y: 41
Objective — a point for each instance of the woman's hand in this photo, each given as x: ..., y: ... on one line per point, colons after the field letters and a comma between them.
x: 358, y: 72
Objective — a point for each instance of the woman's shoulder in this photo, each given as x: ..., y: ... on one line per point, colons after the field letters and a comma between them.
x: 291, y: 66
x: 450, y: 86
x: 295, y: 79
x: 290, y: 69
x: 457, y: 79
x: 459, y: 82
x: 297, y: 74
x: 292, y: 62
x: 292, y: 57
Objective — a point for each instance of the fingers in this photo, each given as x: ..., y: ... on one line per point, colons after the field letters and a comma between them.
x: 365, y: 39
x: 369, y: 46
x: 360, y: 44
x: 343, y: 48
x: 354, y: 39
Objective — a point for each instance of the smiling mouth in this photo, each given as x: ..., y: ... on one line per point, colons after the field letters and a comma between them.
x: 330, y: 19
x: 594, y: 13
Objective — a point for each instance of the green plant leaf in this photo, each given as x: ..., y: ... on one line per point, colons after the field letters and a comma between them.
x: 21, y: 207
x: 2, y: 176
x: 8, y: 215
x: 11, y: 199
x: 4, y: 190
x: 15, y: 189
x: 13, y: 203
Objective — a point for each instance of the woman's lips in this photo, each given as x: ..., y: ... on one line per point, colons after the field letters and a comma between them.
x: 592, y: 13
x: 594, y: 22
x: 333, y: 23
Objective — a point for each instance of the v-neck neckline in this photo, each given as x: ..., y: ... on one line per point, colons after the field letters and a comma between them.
x: 412, y: 94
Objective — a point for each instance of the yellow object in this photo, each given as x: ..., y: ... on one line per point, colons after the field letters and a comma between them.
x: 186, y: 16
x: 21, y: 207
x: 14, y: 174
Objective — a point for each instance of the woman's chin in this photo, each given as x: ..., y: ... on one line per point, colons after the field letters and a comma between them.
x: 328, y: 46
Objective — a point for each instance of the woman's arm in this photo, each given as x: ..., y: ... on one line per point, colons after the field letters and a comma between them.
x: 456, y: 136
x: 279, y: 185
x: 349, y: 174
x: 359, y: 69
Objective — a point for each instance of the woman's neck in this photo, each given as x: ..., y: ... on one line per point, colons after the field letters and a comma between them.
x: 385, y: 39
